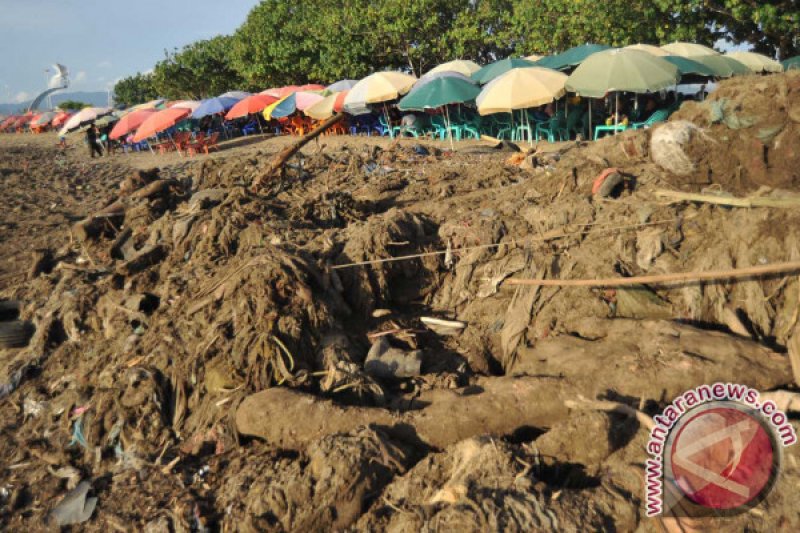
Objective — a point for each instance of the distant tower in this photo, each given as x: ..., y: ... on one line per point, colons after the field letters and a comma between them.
x: 59, y: 81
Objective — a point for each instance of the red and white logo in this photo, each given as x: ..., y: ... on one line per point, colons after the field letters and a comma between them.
x: 721, y: 456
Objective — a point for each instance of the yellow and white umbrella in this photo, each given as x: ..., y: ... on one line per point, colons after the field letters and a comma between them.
x: 756, y: 62
x: 377, y: 88
x: 689, y: 49
x: 462, y: 66
x: 650, y: 49
x: 521, y: 88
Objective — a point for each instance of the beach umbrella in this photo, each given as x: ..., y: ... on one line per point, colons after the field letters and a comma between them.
x: 60, y: 118
x: 521, y: 88
x: 493, y: 70
x: 689, y: 50
x: 793, y: 63
x: 130, y: 122
x: 213, y: 106
x: 327, y: 107
x: 377, y: 88
x: 236, y: 95
x: 439, y: 92
x: 44, y: 119
x: 649, y: 48
x: 305, y: 99
x: 534, y: 57
x: 572, y: 57
x: 83, y: 117
x: 160, y: 121
x: 756, y: 62
x: 152, y: 104
x: 280, y: 92
x: 430, y: 76
x: 341, y: 85
x: 631, y: 71
x: 7, y: 122
x: 690, y: 67
x: 723, y: 66
x: 249, y: 105
x: 282, y: 108
x: 191, y: 105
x: 462, y: 66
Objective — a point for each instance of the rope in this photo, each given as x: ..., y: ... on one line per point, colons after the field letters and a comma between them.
x: 712, y: 275
x: 512, y: 242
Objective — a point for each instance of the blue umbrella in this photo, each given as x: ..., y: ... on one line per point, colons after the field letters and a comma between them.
x: 212, y: 106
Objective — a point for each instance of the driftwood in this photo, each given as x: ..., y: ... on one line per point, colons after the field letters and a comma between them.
x: 660, y: 279
x: 93, y: 225
x: 787, y: 202
x: 290, y: 150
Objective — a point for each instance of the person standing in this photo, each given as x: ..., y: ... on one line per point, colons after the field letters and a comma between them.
x: 91, y: 138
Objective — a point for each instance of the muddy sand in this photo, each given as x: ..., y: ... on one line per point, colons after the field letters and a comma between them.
x: 194, y: 355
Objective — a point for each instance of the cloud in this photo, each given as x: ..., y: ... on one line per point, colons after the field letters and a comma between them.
x: 104, y: 64
x: 79, y: 76
x: 21, y: 96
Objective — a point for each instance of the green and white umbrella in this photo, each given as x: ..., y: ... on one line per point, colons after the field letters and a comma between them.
x: 623, y: 70
x: 756, y: 62
x: 493, y: 70
x: 723, y: 66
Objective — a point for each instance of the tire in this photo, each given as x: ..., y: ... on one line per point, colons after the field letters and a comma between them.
x: 9, y: 310
x: 16, y: 334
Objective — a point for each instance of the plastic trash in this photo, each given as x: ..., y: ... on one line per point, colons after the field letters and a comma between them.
x: 75, y: 508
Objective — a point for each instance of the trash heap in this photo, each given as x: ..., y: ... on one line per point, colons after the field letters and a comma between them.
x: 208, y: 356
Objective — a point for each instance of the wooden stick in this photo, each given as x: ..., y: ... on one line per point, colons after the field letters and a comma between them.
x: 713, y: 275
x: 290, y: 150
x: 752, y: 201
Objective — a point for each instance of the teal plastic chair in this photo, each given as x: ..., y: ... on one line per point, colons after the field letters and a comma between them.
x: 555, y: 128
x: 574, y: 125
x: 659, y: 115
x: 439, y: 127
x: 603, y: 128
x: 387, y: 128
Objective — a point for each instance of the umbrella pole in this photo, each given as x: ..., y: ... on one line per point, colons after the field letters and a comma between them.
x: 591, y: 136
x: 388, y: 123
x: 150, y: 147
x: 616, y: 112
x: 174, y: 145
x: 449, y: 128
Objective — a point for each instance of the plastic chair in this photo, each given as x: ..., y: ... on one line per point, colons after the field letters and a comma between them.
x: 612, y: 128
x: 659, y: 115
x: 555, y: 127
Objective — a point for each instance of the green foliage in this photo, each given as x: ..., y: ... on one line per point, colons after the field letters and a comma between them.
x: 135, y: 90
x: 772, y: 26
x: 72, y: 105
x: 305, y: 41
x: 199, y: 70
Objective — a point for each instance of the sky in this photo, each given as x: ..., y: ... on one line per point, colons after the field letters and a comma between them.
x: 100, y: 41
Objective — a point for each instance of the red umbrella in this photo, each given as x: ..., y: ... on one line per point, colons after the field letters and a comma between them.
x: 7, y: 122
x: 130, y: 122
x: 160, y: 121
x: 61, y: 118
x: 251, y: 104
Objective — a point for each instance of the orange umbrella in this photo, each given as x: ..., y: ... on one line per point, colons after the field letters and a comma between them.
x: 159, y: 121
x: 61, y: 118
x: 130, y: 122
x: 251, y: 104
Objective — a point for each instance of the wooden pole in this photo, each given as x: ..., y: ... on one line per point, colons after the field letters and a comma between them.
x: 658, y: 279
x: 289, y: 151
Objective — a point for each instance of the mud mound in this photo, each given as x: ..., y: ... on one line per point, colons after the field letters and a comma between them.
x: 754, y: 123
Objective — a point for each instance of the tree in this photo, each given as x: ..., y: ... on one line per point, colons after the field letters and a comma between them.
x: 771, y: 26
x: 135, y: 89
x: 72, y: 105
x: 550, y: 26
x: 199, y: 70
